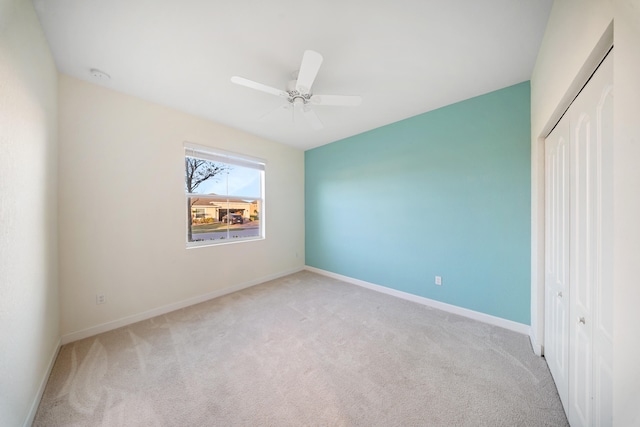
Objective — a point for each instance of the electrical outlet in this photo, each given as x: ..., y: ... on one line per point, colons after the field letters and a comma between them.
x: 439, y: 280
x: 101, y: 299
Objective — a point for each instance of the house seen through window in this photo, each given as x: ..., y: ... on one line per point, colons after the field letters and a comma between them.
x: 224, y: 196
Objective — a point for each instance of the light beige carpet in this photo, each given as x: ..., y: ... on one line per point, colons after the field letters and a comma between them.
x: 303, y: 350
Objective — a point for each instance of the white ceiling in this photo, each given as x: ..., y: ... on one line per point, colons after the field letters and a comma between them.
x: 403, y: 57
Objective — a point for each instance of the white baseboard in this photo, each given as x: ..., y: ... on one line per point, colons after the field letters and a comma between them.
x: 538, y: 349
x: 471, y: 314
x: 128, y: 320
x: 43, y: 383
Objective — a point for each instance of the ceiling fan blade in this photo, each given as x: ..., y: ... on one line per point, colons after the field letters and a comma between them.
x: 311, y: 62
x: 272, y: 114
x: 312, y: 118
x: 338, y: 100
x: 258, y: 86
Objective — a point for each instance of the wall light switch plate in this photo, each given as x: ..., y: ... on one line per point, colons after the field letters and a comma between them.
x: 439, y: 280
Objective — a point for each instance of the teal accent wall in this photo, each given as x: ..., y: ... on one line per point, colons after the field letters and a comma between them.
x: 445, y: 193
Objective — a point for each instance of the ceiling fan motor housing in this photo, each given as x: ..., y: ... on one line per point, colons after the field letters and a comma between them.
x: 296, y: 97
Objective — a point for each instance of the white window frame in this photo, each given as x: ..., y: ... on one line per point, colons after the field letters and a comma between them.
x: 232, y: 159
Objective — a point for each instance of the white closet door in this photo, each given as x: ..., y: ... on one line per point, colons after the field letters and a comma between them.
x: 590, y: 334
x: 557, y: 181
x: 602, y: 313
x: 578, y: 253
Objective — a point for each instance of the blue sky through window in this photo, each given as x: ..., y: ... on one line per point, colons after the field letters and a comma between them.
x: 237, y: 181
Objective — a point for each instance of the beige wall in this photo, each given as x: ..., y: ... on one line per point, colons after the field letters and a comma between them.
x: 577, y: 30
x: 626, y: 77
x: 126, y: 155
x: 29, y: 317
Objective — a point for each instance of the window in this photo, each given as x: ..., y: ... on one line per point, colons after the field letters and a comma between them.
x: 224, y: 196
x: 199, y: 213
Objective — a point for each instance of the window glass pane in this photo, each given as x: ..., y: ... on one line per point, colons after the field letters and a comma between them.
x: 203, y: 176
x: 207, y: 177
x: 219, y: 219
x: 242, y: 181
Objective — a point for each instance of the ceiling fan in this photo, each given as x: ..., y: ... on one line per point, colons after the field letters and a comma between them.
x: 298, y: 93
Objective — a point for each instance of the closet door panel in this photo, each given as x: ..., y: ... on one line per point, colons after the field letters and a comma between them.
x: 602, y: 333
x: 582, y: 277
x: 557, y: 234
x: 590, y: 305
